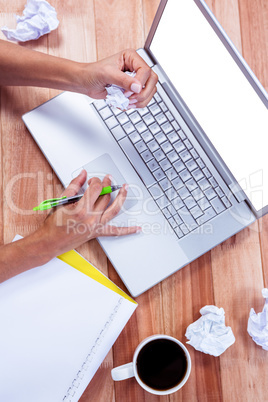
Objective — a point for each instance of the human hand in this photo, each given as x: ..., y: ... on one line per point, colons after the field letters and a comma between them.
x: 140, y: 89
x: 68, y: 227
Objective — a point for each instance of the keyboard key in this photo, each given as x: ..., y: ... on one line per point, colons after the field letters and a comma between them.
x: 197, y: 194
x: 154, y: 128
x: 175, y: 125
x: 169, y: 116
x: 171, y: 173
x: 226, y: 202
x: 167, y: 127
x: 179, y: 165
x: 184, y: 229
x: 159, y: 155
x: 146, y: 156
x: 141, y: 127
x: 165, y: 184
x: 185, y: 175
x: 111, y: 122
x: 156, y: 191
x: 136, y: 161
x: 100, y: 104
x: 183, y: 192
x: 161, y: 118
x: 172, y: 210
x: 194, y: 154
x: 210, y: 193
x: 118, y: 133
x: 154, y: 109
x: 135, y: 137
x: 203, y: 184
x: 217, y: 205
x: 203, y: 203
x: 166, y: 212
x: 105, y: 112
x: 166, y: 146
x: 160, y: 138
x: 135, y: 117
x: 206, y: 172
x: 147, y: 136
x: 140, y: 146
x: 187, y: 218
x: 177, y: 183
x: 172, y: 222
x: 162, y: 202
x: 191, y: 184
x: 185, y: 155
x: 213, y: 182
x: 197, y: 174
x: 178, y: 232
x: 177, y: 219
x: 148, y: 119
x: 208, y: 214
x: 190, y: 202
x: 177, y: 203
x: 165, y: 164
x: 171, y: 193
x: 188, y: 144
x: 219, y: 191
x: 182, y: 135
x: 200, y: 163
x: 123, y: 118
x: 143, y: 111
x: 159, y: 174
x: 152, y: 165
x: 196, y: 212
x: 153, y: 145
x: 179, y: 146
x: 163, y: 106
x: 157, y: 97
x: 173, y: 137
x: 128, y: 127
x: 191, y: 165
x: 172, y: 156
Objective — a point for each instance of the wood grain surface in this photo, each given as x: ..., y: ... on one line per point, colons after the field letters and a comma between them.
x: 231, y: 276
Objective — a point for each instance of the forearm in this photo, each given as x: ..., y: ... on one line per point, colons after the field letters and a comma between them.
x: 23, y: 254
x: 22, y: 66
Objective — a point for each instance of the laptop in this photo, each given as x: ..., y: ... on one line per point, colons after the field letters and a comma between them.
x: 194, y: 157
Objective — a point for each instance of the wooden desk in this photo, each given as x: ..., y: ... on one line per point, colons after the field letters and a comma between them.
x: 230, y: 276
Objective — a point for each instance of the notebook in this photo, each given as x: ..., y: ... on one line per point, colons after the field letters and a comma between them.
x: 58, y: 323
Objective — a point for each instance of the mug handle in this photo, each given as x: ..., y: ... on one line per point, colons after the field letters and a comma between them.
x: 123, y: 372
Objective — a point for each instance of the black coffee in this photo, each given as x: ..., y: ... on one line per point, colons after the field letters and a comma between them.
x: 161, y: 364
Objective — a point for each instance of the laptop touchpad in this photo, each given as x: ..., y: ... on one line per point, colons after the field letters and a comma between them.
x: 102, y: 166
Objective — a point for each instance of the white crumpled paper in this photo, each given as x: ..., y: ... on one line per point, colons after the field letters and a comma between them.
x: 115, y: 95
x: 39, y: 18
x: 258, y: 324
x: 209, y: 334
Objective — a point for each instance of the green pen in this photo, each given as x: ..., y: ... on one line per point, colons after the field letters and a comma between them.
x: 56, y: 202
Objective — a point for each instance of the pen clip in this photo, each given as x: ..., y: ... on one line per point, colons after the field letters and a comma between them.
x: 47, y: 204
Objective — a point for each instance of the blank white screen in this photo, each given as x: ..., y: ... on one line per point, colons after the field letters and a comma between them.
x: 217, y: 93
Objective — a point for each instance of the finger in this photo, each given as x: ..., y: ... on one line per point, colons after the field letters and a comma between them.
x: 144, y: 97
x: 103, y: 200
x: 134, y: 62
x: 116, y: 206
x: 75, y: 184
x: 92, y: 193
x: 109, y: 230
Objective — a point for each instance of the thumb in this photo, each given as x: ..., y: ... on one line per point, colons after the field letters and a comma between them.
x: 125, y: 81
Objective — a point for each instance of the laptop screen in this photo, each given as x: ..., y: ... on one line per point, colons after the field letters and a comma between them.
x: 217, y: 93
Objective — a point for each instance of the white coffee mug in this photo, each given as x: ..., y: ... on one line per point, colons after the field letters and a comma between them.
x: 161, y: 365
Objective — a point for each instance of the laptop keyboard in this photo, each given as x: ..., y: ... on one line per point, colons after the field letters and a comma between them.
x: 173, y: 172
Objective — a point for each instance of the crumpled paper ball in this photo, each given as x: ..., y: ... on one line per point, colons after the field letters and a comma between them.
x: 115, y: 95
x: 39, y: 18
x: 209, y: 334
x: 258, y: 324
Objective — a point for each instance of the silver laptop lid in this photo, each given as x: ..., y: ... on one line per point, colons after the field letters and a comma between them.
x: 205, y: 69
